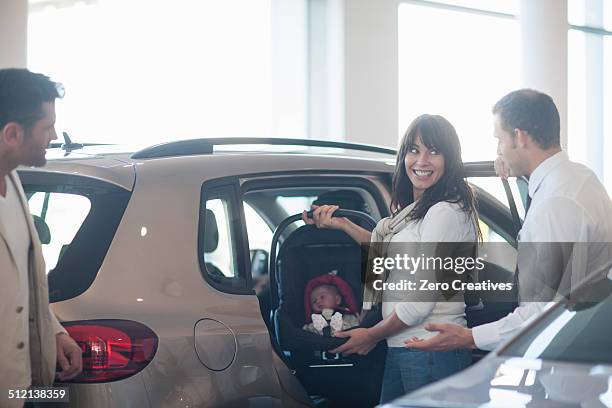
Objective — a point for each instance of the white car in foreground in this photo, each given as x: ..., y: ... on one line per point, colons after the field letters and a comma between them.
x: 562, y: 359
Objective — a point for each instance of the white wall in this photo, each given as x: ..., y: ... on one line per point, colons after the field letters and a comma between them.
x: 544, y: 52
x: 353, y: 70
x: 371, y: 73
x: 13, y: 33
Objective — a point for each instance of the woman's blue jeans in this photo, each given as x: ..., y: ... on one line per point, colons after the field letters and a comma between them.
x: 408, y: 369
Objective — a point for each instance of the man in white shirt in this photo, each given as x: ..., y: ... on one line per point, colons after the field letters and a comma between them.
x: 568, y: 226
x: 32, y: 341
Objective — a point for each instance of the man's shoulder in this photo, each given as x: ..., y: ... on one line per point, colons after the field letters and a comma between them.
x: 573, y: 181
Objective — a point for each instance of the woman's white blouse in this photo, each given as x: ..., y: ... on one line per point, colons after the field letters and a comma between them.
x: 444, y: 222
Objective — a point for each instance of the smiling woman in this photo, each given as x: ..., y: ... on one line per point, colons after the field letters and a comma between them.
x: 431, y: 203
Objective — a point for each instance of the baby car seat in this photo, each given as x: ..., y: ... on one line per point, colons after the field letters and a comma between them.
x: 306, y: 253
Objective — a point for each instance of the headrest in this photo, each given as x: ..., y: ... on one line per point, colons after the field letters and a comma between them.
x: 330, y: 279
x: 211, y: 231
x: 44, y: 233
x: 345, y: 199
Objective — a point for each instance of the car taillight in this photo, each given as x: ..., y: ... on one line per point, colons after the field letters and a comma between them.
x: 112, y: 349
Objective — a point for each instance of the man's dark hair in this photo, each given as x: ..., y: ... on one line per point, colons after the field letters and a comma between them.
x: 22, y: 94
x: 533, y: 112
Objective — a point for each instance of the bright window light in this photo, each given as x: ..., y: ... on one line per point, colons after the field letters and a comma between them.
x: 139, y: 72
x: 456, y: 64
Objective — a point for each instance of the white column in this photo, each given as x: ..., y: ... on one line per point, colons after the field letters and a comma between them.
x: 544, y: 51
x: 594, y: 61
x: 13, y: 33
x: 326, y: 69
x: 353, y: 87
x: 371, y: 71
x: 288, y: 68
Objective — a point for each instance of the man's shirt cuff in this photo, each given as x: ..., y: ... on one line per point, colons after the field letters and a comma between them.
x: 486, y: 336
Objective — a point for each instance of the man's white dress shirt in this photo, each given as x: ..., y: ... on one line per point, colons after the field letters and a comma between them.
x: 568, y: 205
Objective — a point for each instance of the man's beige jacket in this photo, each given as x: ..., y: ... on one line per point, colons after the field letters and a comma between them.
x: 43, y: 325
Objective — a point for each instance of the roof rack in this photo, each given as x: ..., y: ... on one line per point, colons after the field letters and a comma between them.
x: 206, y: 146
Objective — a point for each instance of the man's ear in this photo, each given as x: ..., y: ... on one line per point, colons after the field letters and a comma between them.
x: 522, y: 138
x: 11, y: 134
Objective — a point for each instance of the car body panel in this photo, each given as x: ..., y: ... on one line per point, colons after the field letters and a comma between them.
x: 514, y: 382
x: 127, y: 393
x: 109, y: 169
x: 144, y: 279
x: 173, y: 294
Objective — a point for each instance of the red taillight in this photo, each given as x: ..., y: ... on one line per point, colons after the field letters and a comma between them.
x: 112, y: 349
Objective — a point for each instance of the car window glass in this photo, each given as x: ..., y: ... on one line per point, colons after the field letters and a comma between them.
x: 493, y: 186
x: 57, y: 218
x: 500, y: 251
x: 260, y: 233
x: 295, y: 205
x: 219, y: 251
x: 519, y: 188
x: 578, y: 331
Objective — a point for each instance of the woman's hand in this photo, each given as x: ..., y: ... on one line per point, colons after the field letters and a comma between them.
x: 322, y: 217
x: 360, y: 342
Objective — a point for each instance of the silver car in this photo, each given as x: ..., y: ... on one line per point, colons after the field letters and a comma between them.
x: 158, y: 265
x: 563, y: 359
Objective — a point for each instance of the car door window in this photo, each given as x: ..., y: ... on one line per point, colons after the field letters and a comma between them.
x: 519, y: 187
x: 221, y: 239
x: 496, y: 224
x: 260, y: 233
x: 219, y: 253
x: 57, y: 218
x: 76, y: 218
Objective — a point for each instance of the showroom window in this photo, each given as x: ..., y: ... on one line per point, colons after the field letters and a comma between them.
x: 590, y: 85
x: 456, y: 59
x: 140, y: 72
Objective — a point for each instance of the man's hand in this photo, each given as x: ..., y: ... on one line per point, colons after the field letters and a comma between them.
x: 502, y: 169
x: 69, y: 357
x: 360, y: 342
x: 450, y: 337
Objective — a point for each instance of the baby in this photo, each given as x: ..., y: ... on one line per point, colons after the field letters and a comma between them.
x: 330, y: 312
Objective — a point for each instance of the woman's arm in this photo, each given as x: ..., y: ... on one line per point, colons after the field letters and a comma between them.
x: 362, y: 341
x: 359, y: 234
x: 322, y: 217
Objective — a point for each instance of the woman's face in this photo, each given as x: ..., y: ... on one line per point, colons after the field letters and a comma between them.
x: 424, y: 166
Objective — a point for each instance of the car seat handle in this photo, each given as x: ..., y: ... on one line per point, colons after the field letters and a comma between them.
x: 347, y: 213
x: 370, y: 223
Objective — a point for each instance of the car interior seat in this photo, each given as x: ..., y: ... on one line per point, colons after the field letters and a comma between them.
x: 211, y: 242
x: 44, y: 233
x: 307, y: 253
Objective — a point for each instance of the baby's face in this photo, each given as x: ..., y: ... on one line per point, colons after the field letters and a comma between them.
x: 324, y: 297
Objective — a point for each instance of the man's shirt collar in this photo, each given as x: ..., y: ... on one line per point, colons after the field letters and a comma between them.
x: 543, y: 169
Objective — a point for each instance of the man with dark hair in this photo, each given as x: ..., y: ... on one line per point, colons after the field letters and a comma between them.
x: 533, y: 112
x: 32, y: 340
x: 567, y: 230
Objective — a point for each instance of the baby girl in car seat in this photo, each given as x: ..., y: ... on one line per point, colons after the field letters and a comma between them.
x: 330, y: 305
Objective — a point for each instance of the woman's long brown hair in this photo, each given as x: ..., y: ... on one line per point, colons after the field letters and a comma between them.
x: 434, y: 132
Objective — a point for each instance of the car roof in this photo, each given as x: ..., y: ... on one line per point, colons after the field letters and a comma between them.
x: 228, y: 157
